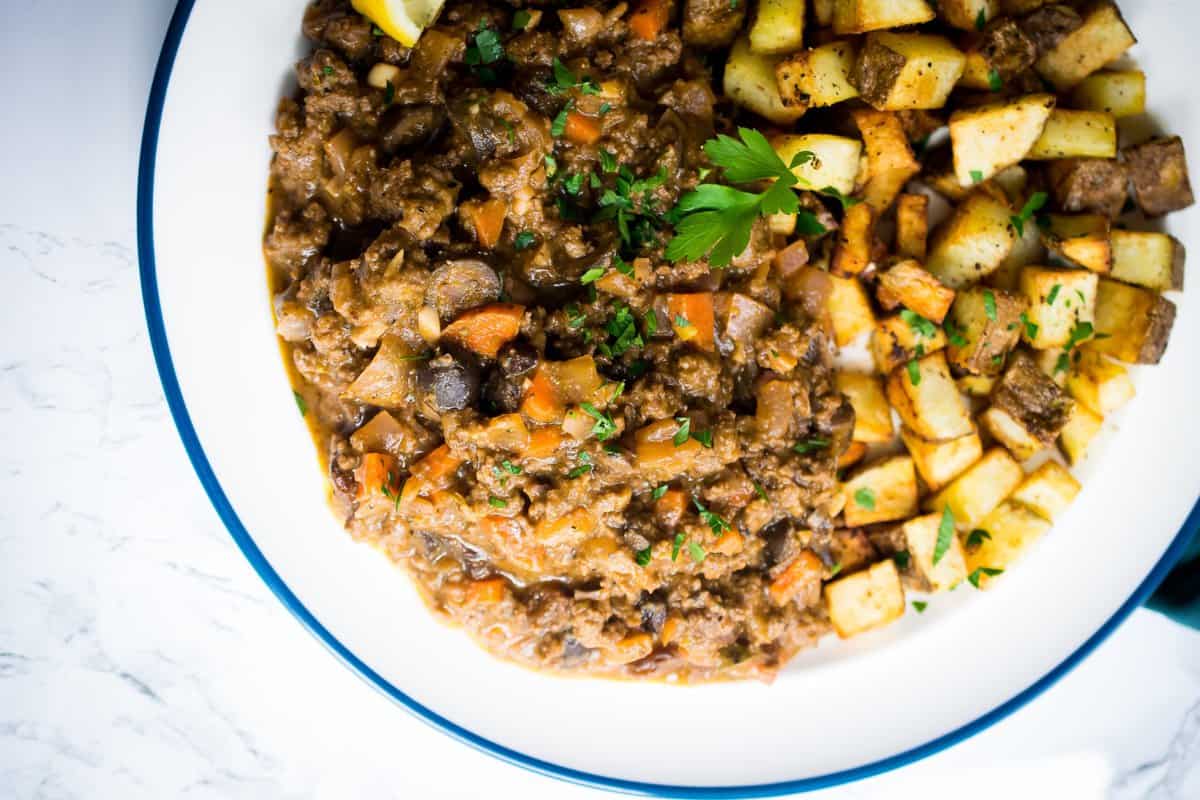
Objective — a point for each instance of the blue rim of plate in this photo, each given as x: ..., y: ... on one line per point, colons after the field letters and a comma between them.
x: 204, y: 471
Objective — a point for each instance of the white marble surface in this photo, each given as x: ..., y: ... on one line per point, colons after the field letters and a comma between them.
x: 141, y: 657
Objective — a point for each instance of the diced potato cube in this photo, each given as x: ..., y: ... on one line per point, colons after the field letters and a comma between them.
x: 912, y: 225
x: 974, y: 494
x: 941, y: 462
x: 779, y: 27
x: 922, y: 535
x: 1158, y: 174
x: 1055, y: 312
x: 1027, y: 250
x: 907, y: 70
x: 1100, y: 384
x: 930, y: 406
x: 973, y: 242
x: 909, y: 284
x: 1096, y: 185
x: 890, y: 160
x: 895, y: 342
x: 1102, y: 38
x: 1079, y: 432
x: 966, y: 14
x: 819, y: 76
x: 1028, y: 409
x: 872, y: 414
x: 835, y: 163
x: 1122, y: 94
x: 983, y: 329
x: 855, y: 241
x: 1132, y: 324
x: 880, y: 492
x: 860, y: 16
x: 865, y: 600
x: 750, y: 82
x: 1012, y: 528
x: 849, y: 309
x: 1081, y: 239
x: 988, y: 138
x: 1054, y: 365
x: 1076, y: 134
x: 977, y: 385
x: 1150, y: 260
x: 1047, y: 491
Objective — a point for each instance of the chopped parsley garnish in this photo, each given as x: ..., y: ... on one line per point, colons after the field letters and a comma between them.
x: 1031, y: 328
x: 865, y: 498
x: 618, y: 390
x: 573, y: 184
x: 592, y: 275
x: 989, y: 304
x: 981, y: 19
x: 521, y: 20
x: 560, y: 119
x: 328, y: 70
x: 551, y: 164
x: 605, y: 107
x: 945, y: 535
x: 608, y: 162
x: 300, y: 404
x: 914, y: 372
x: 810, y: 445
x: 976, y: 176
x: 835, y: 569
x: 919, y: 606
x: 524, y: 240
x: 642, y: 557
x: 575, y: 317
x: 605, y: 427
x: 1082, y: 331
x: 389, y: 94
x: 485, y: 49
x: 835, y: 193
x: 658, y: 492
x: 623, y: 333
x: 585, y: 466
x: 760, y: 491
x: 1054, y: 290
x: 920, y: 325
x: 995, y: 82
x: 650, y: 322
x: 1032, y: 206
x: 683, y: 432
x: 511, y: 468
x: 682, y: 321
x: 703, y: 437
x: 631, y: 204
x: 676, y: 545
x: 979, y: 572
x: 975, y: 538
x: 1063, y: 363
x: 696, y: 552
x: 622, y: 266
x: 497, y: 502
x: 714, y: 220
x: 954, y: 334
x: 901, y: 558
x: 565, y: 80
x: 714, y: 522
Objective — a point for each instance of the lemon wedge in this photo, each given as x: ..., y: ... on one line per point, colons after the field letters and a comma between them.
x: 403, y: 20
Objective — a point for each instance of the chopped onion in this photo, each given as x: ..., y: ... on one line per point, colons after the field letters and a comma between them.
x: 382, y: 74
x: 429, y: 325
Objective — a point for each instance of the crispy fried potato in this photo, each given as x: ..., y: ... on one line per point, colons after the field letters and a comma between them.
x: 1122, y: 94
x: 983, y: 328
x: 921, y: 534
x: 860, y: 16
x: 928, y: 401
x: 1081, y: 239
x: 1076, y: 134
x: 872, y: 414
x: 974, y: 494
x: 1054, y: 313
x: 1132, y: 324
x: 880, y: 492
x: 1012, y: 528
x: 973, y: 243
x: 750, y: 82
x: 864, y: 600
x: 941, y: 462
x: 1047, y: 491
x: 909, y: 284
x: 1150, y: 260
x: 1101, y: 39
x: 907, y: 70
x: 894, y: 343
x: 819, y: 76
x: 912, y: 225
x: 989, y: 138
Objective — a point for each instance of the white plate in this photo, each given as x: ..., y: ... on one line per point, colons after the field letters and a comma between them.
x: 840, y: 712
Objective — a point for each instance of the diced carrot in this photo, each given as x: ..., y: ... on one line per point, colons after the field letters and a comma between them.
x: 669, y: 508
x: 543, y: 443
x: 376, y: 472
x: 488, y: 590
x: 655, y: 448
x: 649, y: 19
x: 508, y: 432
x: 542, y: 402
x: 582, y: 129
x: 729, y: 543
x: 437, y: 468
x: 631, y: 648
x: 574, y: 525
x: 485, y: 330
x: 692, y: 318
x: 578, y: 379
x: 669, y: 629
x: 853, y: 454
x: 488, y: 218
x: 805, y: 571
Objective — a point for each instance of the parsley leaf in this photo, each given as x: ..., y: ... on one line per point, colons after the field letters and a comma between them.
x: 1082, y: 331
x: 919, y: 324
x: 524, y: 240
x: 760, y: 491
x: 981, y: 19
x: 995, y: 82
x: 715, y: 522
x: 751, y: 159
x: 976, y: 176
x: 696, y: 552
x: 684, y: 431
x: 901, y: 558
x: 650, y: 322
x: 300, y: 404
x: 920, y: 606
x: 1063, y: 363
x: 1054, y: 290
x: 676, y: 546
x: 559, y: 125
x: 642, y: 557
x: 658, y: 492
x: 605, y: 427
x: 497, y: 502
x: 1031, y: 328
x: 608, y: 162
x: 979, y: 572
x: 565, y: 80
x: 865, y: 498
x: 592, y: 275
x: 511, y: 468
x: 809, y: 445
x: 1032, y: 206
x: 705, y: 438
x: 914, y: 372
x: 975, y: 538
x: 954, y: 334
x: 521, y: 20
x: 989, y: 304
x: 945, y: 535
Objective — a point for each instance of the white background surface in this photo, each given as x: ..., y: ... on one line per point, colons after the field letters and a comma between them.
x: 139, y: 654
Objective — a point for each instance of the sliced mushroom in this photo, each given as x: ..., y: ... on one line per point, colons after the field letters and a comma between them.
x: 460, y: 285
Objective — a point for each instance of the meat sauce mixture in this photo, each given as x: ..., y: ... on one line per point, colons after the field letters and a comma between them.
x: 591, y: 458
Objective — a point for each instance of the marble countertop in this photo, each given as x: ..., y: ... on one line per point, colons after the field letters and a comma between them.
x: 141, y: 657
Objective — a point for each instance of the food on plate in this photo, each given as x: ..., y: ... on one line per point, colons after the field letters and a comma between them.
x: 661, y: 339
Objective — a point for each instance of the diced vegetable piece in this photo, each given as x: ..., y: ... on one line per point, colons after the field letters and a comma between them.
x: 983, y: 328
x: 431, y: 474
x: 542, y: 402
x: 1097, y: 185
x: 1122, y: 94
x: 968, y: 14
x: 1028, y: 409
x: 849, y: 309
x: 907, y: 283
x: 693, y: 319
x: 487, y: 217
x: 1098, y: 383
x: 973, y: 243
x: 977, y: 385
x: 802, y: 578
x: 1102, y: 38
x: 872, y: 414
x: 855, y: 241
x: 378, y: 476
x: 507, y: 432
x: 912, y: 225
x: 658, y: 455
x: 1132, y: 324
x: 750, y: 82
x: 383, y: 434
x: 649, y: 19
x: 894, y: 343
x: 819, y: 76
x: 974, y: 494
x: 834, y: 163
x: 865, y: 600
x: 1150, y: 260
x: 1159, y: 175
x: 853, y: 454
x: 988, y: 138
x: 860, y: 16
x: 582, y: 129
x: 880, y: 492
x: 1079, y: 432
x: 1027, y: 250
x: 488, y: 591
x: 1047, y: 491
x: 890, y: 160
x: 907, y: 70
x: 389, y: 381
x: 1055, y: 313
x: 1076, y: 134
x: 670, y: 508
x: 941, y: 462
x: 543, y: 443
x: 1081, y: 239
x: 931, y: 405
x: 926, y: 538
x: 779, y: 27
x: 1012, y: 528
x: 485, y: 330
x: 574, y: 526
